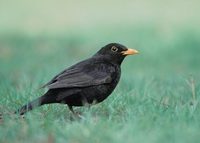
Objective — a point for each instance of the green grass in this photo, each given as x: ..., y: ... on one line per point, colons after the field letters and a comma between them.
x: 157, y: 99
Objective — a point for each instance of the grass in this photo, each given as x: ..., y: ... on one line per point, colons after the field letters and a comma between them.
x: 157, y: 99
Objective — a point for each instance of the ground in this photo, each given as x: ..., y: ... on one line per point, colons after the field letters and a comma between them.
x: 157, y: 99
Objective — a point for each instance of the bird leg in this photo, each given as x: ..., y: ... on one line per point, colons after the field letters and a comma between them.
x: 1, y: 119
x: 71, y: 109
x: 74, y: 113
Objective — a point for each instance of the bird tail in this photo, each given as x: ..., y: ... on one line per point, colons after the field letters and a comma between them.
x: 30, y: 106
x: 45, y: 99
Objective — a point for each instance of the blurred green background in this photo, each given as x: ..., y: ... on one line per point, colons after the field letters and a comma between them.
x: 158, y: 95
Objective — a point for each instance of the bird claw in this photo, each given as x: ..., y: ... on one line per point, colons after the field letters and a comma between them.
x: 80, y: 116
x: 77, y: 115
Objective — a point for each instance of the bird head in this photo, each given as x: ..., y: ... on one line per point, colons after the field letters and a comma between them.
x: 115, y: 52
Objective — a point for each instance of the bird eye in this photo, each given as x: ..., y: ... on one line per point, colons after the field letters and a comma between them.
x: 114, y: 49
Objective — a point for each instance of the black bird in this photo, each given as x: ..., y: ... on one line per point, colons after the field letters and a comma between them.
x: 87, y: 82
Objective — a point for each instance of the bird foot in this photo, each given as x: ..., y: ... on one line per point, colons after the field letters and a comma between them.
x: 77, y: 115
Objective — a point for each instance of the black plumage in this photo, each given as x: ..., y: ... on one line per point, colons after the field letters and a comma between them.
x: 87, y: 82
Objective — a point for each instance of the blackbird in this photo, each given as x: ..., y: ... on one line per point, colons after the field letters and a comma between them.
x: 85, y: 83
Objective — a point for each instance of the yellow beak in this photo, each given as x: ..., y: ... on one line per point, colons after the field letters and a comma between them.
x: 130, y: 52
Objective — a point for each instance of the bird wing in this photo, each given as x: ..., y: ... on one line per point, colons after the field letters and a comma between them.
x: 80, y: 77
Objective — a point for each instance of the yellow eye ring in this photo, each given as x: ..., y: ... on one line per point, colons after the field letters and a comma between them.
x: 114, y: 49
